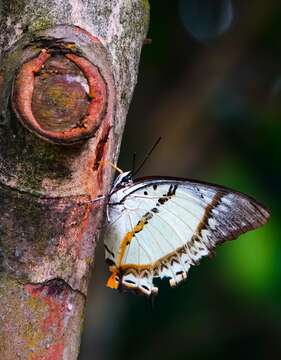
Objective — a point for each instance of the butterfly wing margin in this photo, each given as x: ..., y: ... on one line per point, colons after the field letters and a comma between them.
x: 197, y: 217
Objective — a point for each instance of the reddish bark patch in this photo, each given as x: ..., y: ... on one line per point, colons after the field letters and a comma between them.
x: 56, y: 305
x: 24, y: 87
x: 53, y: 297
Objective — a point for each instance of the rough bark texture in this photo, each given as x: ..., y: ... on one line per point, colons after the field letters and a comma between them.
x: 48, y: 226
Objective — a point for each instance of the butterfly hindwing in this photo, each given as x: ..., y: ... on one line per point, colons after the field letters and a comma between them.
x: 159, y: 227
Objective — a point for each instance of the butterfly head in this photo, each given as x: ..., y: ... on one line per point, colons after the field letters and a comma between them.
x: 122, y: 180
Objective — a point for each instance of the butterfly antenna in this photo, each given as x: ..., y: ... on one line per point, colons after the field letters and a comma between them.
x: 147, y: 156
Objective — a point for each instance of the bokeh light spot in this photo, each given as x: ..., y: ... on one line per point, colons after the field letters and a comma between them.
x: 206, y: 20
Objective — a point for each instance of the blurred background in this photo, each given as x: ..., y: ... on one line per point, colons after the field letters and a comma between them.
x: 210, y: 85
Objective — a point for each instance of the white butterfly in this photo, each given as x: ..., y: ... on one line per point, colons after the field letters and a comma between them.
x: 160, y: 226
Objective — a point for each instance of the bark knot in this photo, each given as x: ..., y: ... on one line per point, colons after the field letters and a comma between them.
x: 58, y: 93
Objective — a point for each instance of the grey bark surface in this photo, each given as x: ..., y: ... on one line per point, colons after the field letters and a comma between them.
x: 43, y: 272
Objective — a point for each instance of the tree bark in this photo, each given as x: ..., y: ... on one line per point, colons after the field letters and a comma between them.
x: 67, y: 73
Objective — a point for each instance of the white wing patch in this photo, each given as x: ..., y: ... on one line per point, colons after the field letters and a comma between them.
x: 159, y: 228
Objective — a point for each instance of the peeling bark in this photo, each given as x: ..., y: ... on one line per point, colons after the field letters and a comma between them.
x: 50, y: 171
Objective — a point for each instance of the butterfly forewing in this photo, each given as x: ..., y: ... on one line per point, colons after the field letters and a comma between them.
x: 159, y: 227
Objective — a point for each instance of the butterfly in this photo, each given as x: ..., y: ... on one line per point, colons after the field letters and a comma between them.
x: 158, y: 227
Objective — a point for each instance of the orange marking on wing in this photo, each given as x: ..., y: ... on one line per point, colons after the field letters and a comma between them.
x: 127, y: 240
x: 111, y: 282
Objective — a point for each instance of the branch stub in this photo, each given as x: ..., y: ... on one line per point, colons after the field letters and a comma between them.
x: 59, y: 94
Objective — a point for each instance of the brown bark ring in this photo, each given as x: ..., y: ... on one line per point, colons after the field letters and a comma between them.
x: 23, y: 93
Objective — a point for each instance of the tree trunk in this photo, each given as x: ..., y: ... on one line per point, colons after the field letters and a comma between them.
x: 67, y: 74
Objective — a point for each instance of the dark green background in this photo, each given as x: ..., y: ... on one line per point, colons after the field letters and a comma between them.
x: 215, y: 100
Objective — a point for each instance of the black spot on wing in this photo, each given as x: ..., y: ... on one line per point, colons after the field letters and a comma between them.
x: 179, y: 272
x: 145, y: 287
x: 144, y: 219
x: 135, y: 232
x: 148, y: 216
x: 172, y: 190
x: 199, y: 192
x: 162, y: 200
x: 130, y: 281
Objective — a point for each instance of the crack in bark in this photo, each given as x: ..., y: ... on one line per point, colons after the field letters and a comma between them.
x: 57, y: 285
x: 100, y: 149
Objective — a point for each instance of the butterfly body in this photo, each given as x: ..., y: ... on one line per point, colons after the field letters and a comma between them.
x: 160, y: 226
